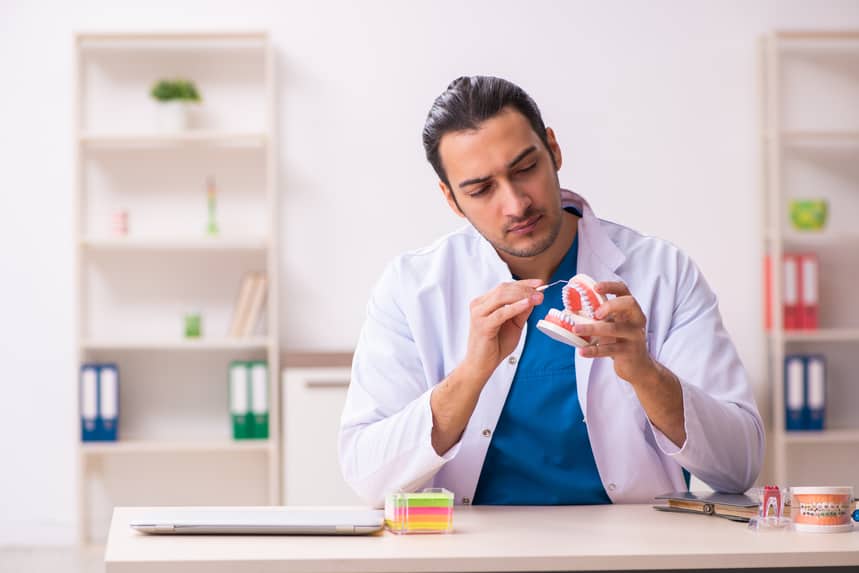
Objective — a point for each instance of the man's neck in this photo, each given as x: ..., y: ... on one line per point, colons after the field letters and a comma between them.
x: 546, y: 263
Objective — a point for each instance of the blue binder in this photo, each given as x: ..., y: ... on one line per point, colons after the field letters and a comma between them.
x: 815, y: 391
x: 794, y: 392
x: 99, y: 402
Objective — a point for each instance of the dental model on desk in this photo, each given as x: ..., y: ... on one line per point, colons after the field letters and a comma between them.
x: 580, y: 303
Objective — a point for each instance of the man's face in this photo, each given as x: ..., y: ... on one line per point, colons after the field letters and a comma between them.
x: 503, y: 180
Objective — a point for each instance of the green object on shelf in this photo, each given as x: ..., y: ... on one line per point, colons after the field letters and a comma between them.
x: 808, y: 214
x: 193, y: 325
x: 240, y: 394
x: 211, y: 199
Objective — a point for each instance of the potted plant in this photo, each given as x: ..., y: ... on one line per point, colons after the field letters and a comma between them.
x: 174, y: 96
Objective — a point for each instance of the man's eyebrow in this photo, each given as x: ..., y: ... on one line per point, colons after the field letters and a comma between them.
x: 516, y: 160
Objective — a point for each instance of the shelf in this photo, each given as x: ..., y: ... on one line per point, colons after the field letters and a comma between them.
x: 216, y: 138
x: 821, y: 335
x: 822, y: 437
x: 153, y: 446
x: 175, y: 244
x: 815, y: 238
x: 256, y: 343
x: 803, y: 137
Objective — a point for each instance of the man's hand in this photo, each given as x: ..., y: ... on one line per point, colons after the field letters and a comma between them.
x: 622, y: 336
x: 497, y: 320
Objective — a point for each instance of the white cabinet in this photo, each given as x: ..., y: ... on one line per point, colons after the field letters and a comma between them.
x: 313, y: 400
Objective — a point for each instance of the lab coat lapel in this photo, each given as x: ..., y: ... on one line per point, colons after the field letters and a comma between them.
x: 598, y: 257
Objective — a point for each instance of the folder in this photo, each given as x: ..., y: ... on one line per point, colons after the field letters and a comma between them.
x: 815, y: 392
x: 108, y: 401
x: 736, y: 507
x: 791, y: 292
x: 89, y: 402
x: 794, y: 392
x: 239, y: 391
x: 808, y: 291
x: 242, y: 304
x: 99, y: 402
x: 259, y: 399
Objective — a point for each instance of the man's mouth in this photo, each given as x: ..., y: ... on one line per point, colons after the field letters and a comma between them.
x: 526, y: 226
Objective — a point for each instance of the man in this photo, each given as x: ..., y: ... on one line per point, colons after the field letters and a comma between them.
x: 453, y: 386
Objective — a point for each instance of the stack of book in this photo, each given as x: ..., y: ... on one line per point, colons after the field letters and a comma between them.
x: 804, y: 391
x: 799, y: 292
x: 248, y: 391
x: 249, y: 305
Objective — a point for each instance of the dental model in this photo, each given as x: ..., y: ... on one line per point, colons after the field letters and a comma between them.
x: 580, y: 303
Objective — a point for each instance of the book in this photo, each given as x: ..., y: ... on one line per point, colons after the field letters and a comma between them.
x: 736, y: 507
x: 242, y: 304
x: 257, y: 298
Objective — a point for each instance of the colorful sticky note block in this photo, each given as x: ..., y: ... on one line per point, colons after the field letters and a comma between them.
x: 428, y: 511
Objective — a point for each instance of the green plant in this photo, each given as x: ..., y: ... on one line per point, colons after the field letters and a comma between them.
x: 177, y: 89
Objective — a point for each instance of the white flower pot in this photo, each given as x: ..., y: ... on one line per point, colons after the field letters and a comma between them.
x: 172, y: 115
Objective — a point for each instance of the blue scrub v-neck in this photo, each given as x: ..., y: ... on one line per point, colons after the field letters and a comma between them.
x: 540, y: 453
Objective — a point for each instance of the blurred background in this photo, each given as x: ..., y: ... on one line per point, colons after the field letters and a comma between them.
x: 175, y: 248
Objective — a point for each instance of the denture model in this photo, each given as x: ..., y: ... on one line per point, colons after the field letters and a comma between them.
x: 580, y: 303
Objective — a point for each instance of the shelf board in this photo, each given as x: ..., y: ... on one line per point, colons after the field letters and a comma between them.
x: 253, y: 343
x: 163, y: 446
x: 801, y: 137
x: 815, y: 238
x: 175, y: 244
x: 822, y: 437
x: 822, y: 335
x: 217, y: 138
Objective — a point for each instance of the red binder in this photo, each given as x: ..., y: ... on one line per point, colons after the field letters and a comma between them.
x: 808, y: 291
x: 790, y: 292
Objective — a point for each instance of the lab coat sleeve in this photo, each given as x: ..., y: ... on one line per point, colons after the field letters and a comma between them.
x: 725, y: 440
x: 385, y: 430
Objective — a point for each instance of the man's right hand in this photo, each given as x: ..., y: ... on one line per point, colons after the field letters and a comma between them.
x: 497, y: 320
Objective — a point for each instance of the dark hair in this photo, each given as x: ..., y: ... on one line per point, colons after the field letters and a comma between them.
x: 469, y: 101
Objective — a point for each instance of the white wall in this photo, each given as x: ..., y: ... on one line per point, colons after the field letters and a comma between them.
x: 655, y: 104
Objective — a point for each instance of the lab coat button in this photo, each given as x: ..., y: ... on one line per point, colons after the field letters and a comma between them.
x: 512, y: 360
x: 486, y: 432
x: 466, y: 501
x: 612, y: 487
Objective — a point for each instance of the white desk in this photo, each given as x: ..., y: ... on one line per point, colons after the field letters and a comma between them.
x: 493, y: 539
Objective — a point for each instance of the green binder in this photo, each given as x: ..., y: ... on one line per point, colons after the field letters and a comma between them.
x: 258, y: 372
x: 240, y: 392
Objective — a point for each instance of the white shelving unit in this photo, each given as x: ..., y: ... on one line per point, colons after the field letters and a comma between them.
x: 810, y: 138
x: 175, y: 442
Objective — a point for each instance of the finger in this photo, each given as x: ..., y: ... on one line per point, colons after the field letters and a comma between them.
x: 621, y: 309
x: 606, y: 330
x: 503, y: 294
x: 617, y: 288
x: 509, y: 311
x: 603, y: 350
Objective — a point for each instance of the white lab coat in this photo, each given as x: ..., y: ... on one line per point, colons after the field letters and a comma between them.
x: 416, y: 331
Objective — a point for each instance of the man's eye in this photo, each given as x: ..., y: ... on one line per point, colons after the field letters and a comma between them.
x: 480, y: 191
x: 529, y: 168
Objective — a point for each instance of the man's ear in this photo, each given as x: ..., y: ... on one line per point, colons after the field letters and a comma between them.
x: 451, y: 201
x: 554, y: 148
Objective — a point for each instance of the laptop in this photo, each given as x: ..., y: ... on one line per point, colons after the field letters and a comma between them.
x: 260, y: 521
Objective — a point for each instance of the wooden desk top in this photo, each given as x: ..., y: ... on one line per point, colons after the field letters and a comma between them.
x: 493, y: 539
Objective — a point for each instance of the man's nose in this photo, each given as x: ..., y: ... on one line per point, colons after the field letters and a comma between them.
x: 516, y: 201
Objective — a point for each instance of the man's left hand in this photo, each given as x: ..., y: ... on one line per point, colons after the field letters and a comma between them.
x: 621, y: 334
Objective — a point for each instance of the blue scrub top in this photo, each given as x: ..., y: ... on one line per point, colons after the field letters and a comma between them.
x: 540, y: 453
